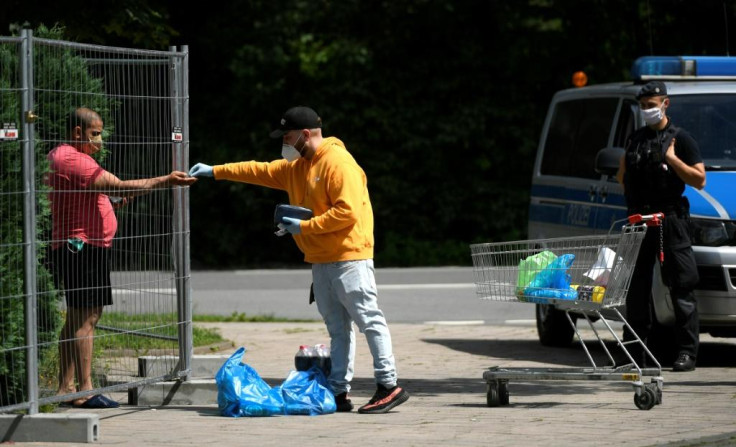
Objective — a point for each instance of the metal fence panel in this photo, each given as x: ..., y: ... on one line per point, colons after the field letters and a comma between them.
x: 141, y: 97
x: 13, y: 346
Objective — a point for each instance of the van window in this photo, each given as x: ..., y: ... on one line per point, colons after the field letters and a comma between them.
x: 579, y: 129
x: 626, y: 123
x: 711, y: 120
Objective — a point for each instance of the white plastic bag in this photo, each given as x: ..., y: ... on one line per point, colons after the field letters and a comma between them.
x: 600, y: 271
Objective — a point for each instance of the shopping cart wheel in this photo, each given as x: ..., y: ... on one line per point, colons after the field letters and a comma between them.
x: 492, y: 396
x: 646, y: 400
x: 656, y: 387
x: 503, y: 392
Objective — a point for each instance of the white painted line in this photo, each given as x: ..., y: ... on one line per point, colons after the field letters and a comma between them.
x: 457, y: 323
x: 425, y: 286
x: 272, y: 272
x: 520, y: 322
x: 439, y: 286
x: 162, y: 291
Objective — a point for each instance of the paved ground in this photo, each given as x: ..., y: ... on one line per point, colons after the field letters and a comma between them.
x: 442, y: 367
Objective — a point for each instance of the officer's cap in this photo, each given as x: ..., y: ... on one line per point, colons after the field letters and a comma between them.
x: 652, y: 88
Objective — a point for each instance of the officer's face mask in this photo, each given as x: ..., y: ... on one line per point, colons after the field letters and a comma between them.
x: 654, y: 115
x: 290, y: 152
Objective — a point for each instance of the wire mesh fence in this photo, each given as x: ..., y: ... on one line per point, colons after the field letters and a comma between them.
x: 93, y: 237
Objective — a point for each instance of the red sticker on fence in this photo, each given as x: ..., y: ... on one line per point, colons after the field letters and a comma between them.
x: 176, y: 135
x: 9, y: 132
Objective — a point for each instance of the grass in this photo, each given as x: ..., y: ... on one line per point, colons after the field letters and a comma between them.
x: 145, y: 332
x: 119, y: 334
x: 244, y: 318
x: 298, y: 330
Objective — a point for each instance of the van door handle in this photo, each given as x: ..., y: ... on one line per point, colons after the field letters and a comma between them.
x: 592, y: 193
x: 603, y: 193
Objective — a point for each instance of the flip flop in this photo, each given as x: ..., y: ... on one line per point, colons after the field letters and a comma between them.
x: 98, y: 401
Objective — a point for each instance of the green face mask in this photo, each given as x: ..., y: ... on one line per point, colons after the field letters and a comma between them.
x: 75, y: 245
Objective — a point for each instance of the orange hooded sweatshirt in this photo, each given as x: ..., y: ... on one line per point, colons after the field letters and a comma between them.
x: 333, y: 186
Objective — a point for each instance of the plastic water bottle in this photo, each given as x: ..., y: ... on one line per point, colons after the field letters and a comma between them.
x: 323, y: 360
x: 321, y: 350
x: 303, y: 358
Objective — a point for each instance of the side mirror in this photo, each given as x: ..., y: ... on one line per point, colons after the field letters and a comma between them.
x: 607, y: 160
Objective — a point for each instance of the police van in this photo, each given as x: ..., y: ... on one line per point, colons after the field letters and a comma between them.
x: 574, y: 189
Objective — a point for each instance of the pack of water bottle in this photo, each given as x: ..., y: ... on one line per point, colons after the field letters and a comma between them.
x: 318, y: 355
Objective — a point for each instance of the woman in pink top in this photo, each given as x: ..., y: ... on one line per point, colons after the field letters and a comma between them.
x: 83, y: 228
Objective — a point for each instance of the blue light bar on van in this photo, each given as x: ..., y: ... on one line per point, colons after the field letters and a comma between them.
x: 684, y: 67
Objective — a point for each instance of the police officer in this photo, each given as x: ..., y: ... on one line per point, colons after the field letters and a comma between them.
x: 660, y: 159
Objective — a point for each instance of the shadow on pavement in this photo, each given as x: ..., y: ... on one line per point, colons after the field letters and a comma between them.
x: 472, y: 385
x: 517, y: 350
x: 712, y: 354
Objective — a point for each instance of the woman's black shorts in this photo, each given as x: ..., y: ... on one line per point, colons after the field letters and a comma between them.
x: 84, y: 275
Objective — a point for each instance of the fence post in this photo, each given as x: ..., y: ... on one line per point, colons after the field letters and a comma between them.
x: 29, y: 219
x: 180, y: 118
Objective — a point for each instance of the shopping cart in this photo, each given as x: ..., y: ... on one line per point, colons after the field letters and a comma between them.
x: 583, y: 275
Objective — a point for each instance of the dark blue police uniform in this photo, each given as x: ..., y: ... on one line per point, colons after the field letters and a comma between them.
x: 652, y: 186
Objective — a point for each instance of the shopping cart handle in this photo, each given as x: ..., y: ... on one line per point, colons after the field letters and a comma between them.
x: 650, y: 219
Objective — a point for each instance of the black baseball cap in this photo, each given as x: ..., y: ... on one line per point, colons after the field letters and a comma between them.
x: 652, y: 88
x: 296, y: 118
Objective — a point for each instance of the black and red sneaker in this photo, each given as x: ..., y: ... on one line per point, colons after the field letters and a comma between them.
x: 384, y: 400
x: 343, y: 403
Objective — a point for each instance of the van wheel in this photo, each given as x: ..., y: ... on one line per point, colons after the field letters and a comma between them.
x: 552, y: 326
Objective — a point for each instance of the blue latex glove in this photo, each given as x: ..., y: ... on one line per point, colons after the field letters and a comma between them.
x: 291, y: 225
x: 201, y: 170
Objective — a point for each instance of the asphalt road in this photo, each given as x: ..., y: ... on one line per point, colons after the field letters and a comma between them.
x: 406, y: 295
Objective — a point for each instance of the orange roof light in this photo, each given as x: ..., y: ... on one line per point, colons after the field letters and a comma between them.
x: 579, y: 79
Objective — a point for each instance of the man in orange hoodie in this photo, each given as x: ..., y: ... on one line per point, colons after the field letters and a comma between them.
x: 320, y: 174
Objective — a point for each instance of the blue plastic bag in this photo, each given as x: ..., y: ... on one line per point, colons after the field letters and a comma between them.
x: 242, y: 392
x: 552, y: 282
x: 530, y: 267
x: 307, y: 392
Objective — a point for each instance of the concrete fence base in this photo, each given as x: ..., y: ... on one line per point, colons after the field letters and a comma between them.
x: 78, y: 427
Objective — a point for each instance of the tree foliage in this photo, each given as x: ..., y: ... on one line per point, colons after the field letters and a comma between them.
x: 441, y: 102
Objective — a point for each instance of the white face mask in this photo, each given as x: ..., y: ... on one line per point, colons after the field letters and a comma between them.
x: 96, y: 143
x: 289, y: 152
x: 652, y: 116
